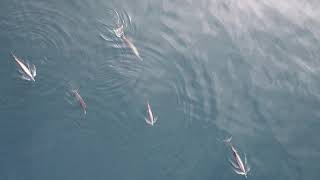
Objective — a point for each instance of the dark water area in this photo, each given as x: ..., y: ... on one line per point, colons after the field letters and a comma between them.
x: 210, y: 69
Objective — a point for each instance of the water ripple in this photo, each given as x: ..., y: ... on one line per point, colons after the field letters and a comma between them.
x: 40, y: 24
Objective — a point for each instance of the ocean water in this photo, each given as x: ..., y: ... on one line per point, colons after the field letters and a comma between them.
x: 210, y: 69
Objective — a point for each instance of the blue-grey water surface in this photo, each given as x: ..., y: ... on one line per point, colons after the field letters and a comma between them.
x: 211, y: 69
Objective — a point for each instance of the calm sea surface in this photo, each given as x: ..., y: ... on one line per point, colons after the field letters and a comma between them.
x: 211, y: 69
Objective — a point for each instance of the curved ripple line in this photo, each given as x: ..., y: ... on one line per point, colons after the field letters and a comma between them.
x: 197, y: 90
x: 188, y: 78
x: 43, y: 27
x: 40, y: 24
